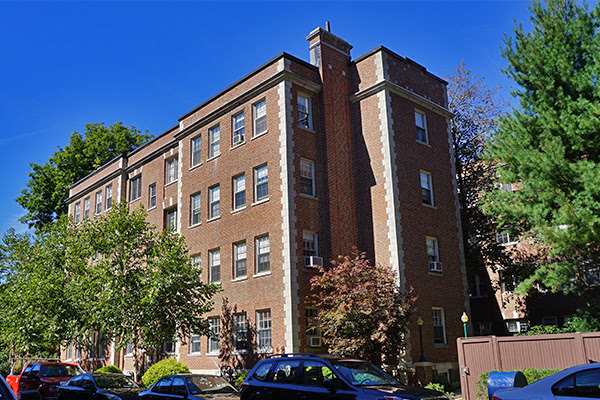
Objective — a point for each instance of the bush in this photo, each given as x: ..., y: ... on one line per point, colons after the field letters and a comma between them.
x: 109, y: 368
x: 168, y: 366
x: 239, y: 378
x: 532, y: 375
x: 440, y: 388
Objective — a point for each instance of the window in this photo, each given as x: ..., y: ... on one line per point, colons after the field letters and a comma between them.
x: 239, y: 191
x: 504, y: 238
x: 315, y: 373
x: 287, y: 372
x: 239, y: 254
x: 304, y: 112
x: 152, y: 196
x: 195, y: 343
x: 196, y: 261
x: 195, y: 209
x: 214, y: 137
x: 313, y: 332
x: 260, y: 118
x: 214, y: 208
x: 196, y: 151
x: 309, y: 245
x: 215, y: 335
x: 171, y: 219
x: 261, y: 183
x: 582, y: 384
x: 482, y: 328
x: 426, y: 192
x: 69, y: 352
x: 433, y: 255
x: 263, y: 329
x: 86, y: 208
x: 421, y: 124
x: 262, y: 254
x: 77, y: 213
x: 108, y: 197
x: 214, y: 265
x: 135, y: 188
x: 171, y: 170
x: 439, y: 326
x: 238, y: 128
x: 168, y: 348
x: 508, y: 282
x: 307, y: 177
x: 547, y: 321
x: 98, y: 202
x: 129, y: 349
x: 240, y: 332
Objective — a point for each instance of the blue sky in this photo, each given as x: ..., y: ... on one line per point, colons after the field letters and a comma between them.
x: 64, y: 64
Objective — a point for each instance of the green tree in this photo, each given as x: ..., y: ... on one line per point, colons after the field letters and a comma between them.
x: 48, y: 186
x: 362, y: 310
x: 549, y: 146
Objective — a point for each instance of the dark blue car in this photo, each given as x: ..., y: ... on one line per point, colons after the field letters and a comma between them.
x: 308, y: 376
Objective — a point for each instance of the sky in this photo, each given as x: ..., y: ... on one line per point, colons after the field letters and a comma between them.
x: 64, y: 64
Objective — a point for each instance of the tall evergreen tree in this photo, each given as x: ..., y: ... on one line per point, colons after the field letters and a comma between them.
x: 549, y: 146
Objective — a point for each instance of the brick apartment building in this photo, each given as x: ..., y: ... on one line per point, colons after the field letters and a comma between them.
x: 290, y: 166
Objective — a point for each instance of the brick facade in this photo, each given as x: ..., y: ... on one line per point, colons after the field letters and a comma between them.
x: 344, y: 169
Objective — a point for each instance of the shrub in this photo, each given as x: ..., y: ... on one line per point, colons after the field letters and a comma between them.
x: 440, y: 388
x: 239, y: 378
x: 165, y: 367
x: 532, y: 375
x: 109, y: 368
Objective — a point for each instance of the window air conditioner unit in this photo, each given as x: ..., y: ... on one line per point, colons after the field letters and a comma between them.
x: 314, y: 341
x: 435, y: 266
x: 238, y: 139
x: 313, y: 261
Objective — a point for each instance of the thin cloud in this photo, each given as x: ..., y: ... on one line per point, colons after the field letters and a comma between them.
x: 9, y: 139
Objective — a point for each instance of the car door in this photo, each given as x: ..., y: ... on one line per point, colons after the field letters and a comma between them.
x: 178, y: 389
x: 33, y: 378
x: 578, y: 386
x: 319, y: 382
x: 285, y: 380
x: 69, y: 390
x: 160, y: 391
x: 23, y: 379
x: 87, y: 390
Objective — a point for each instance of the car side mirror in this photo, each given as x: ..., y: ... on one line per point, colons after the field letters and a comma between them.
x: 30, y: 395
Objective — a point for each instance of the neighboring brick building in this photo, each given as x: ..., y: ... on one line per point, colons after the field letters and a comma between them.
x: 296, y: 163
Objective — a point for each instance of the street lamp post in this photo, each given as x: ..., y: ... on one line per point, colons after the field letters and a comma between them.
x: 420, y: 323
x: 464, y: 320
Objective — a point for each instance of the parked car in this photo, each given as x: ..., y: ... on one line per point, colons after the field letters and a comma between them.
x: 7, y: 393
x: 45, y: 377
x: 580, y: 382
x: 191, y: 387
x: 99, y: 386
x: 308, y: 376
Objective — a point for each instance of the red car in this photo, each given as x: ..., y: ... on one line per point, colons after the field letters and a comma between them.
x: 44, y: 377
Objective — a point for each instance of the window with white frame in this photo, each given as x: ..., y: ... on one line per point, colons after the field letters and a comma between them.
x: 86, y: 208
x: 214, y: 206
x: 309, y: 244
x: 78, y: 351
x: 214, y: 138
x: 196, y: 146
x: 260, y: 117
x: 69, y: 355
x: 195, y: 343
x: 196, y: 261
x: 77, y: 216
x: 240, y: 332
x: 238, y: 128
x: 214, y: 338
x: 504, y: 238
x: 432, y: 249
x: 508, y: 282
x: 239, y: 191
x: 135, y: 188
x: 313, y: 331
x: 129, y: 349
x: 263, y: 263
x: 98, y: 202
x: 108, y: 197
x: 239, y: 260
x: 195, y: 209
x: 304, y: 112
x: 263, y: 329
x: 168, y: 348
x: 171, y: 170
x: 152, y: 196
x: 307, y: 177
x: 214, y: 265
x: 171, y: 219
x: 421, y: 124
x: 426, y: 189
x: 261, y: 183
x: 439, y: 326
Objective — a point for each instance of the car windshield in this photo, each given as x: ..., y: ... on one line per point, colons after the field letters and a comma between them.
x: 208, y: 384
x: 363, y: 373
x: 115, y: 382
x: 58, y: 371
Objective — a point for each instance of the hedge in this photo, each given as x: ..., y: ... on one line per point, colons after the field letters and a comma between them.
x: 168, y: 366
x: 532, y: 375
x: 109, y: 368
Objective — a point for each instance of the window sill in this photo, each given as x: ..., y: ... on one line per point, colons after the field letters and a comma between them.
x: 435, y: 273
x: 304, y: 128
x: 265, y: 350
x: 259, y: 135
x: 215, y: 282
x: 264, y: 273
x: 128, y: 355
x: 213, y: 157
x: 171, y: 183
x: 193, y: 167
x: 260, y: 202
x: 423, y: 143
x: 212, y: 354
x: 240, y: 279
x: 308, y: 196
x: 239, y: 352
x: 429, y: 206
x: 237, y: 210
x: 198, y: 354
x: 235, y: 146
x: 132, y: 201
x: 151, y: 208
x: 213, y: 219
x: 195, y: 225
